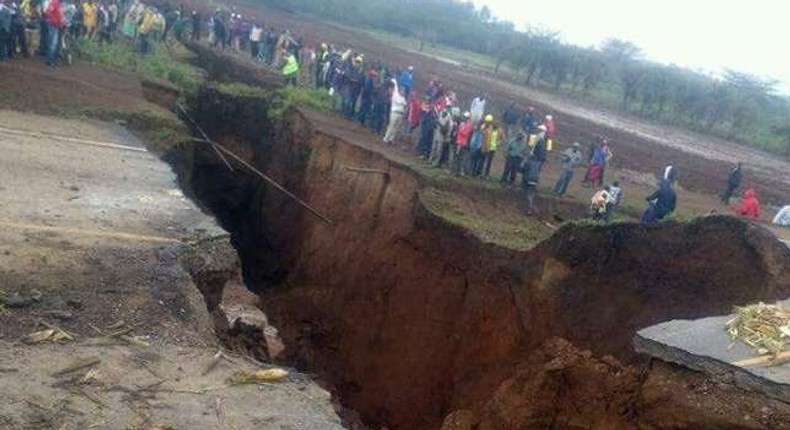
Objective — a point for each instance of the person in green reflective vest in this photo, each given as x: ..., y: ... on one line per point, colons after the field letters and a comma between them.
x: 290, y: 69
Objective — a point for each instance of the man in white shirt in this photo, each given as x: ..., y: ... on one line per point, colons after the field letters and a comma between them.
x: 478, y: 108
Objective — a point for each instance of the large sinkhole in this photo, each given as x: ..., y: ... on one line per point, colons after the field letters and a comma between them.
x: 406, y: 316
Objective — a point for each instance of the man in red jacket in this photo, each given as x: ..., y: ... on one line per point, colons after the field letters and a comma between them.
x: 461, y: 153
x: 53, y: 16
x: 750, y: 206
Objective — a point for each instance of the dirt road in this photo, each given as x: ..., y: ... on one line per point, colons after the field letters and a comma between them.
x: 93, y: 231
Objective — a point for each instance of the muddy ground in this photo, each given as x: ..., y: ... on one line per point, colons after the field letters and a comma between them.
x: 639, y: 146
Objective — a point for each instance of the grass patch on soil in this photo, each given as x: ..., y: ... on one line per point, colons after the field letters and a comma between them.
x: 164, y: 62
x: 242, y: 90
x: 289, y: 98
x: 502, y: 226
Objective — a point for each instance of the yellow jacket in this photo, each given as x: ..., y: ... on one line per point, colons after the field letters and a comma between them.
x: 291, y: 65
x: 90, y: 15
x: 147, y: 23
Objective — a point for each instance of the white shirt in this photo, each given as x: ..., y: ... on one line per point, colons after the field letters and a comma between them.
x: 478, y: 107
x: 256, y: 34
x: 783, y: 217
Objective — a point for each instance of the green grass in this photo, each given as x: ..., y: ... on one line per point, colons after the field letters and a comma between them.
x: 162, y: 63
x: 521, y: 233
x: 242, y: 90
x: 290, y: 97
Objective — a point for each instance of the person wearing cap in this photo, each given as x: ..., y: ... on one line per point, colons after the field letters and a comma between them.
x: 516, y: 147
x: 397, y: 113
x: 534, y: 165
x: 570, y: 159
x: 462, y: 138
x: 353, y: 73
x: 491, y: 139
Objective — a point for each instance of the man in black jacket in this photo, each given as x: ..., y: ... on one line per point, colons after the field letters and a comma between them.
x: 733, y: 182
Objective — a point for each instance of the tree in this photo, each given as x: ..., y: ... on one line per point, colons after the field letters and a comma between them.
x: 620, y: 51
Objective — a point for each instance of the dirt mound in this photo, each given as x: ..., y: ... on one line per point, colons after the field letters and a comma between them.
x: 561, y: 387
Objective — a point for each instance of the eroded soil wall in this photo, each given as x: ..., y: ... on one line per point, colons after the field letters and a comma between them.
x: 409, y: 317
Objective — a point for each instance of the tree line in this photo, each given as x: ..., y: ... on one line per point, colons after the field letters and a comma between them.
x: 734, y: 106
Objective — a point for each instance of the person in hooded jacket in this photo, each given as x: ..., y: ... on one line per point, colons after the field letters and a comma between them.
x: 750, y: 205
x: 660, y: 204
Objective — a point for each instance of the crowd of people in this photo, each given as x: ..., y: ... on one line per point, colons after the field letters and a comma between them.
x: 50, y: 27
x: 385, y: 99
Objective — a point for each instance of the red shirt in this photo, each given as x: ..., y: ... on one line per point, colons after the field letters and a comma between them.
x: 54, y: 14
x: 464, y: 132
x: 750, y: 206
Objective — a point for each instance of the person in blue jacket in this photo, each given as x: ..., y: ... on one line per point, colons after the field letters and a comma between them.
x: 406, y: 81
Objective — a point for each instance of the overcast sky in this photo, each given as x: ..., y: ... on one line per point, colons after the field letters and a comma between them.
x: 751, y: 36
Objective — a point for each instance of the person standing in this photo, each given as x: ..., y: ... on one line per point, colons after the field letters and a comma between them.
x: 53, y: 16
x: 510, y: 117
x: 530, y: 121
x: 534, y: 165
x: 397, y: 113
x: 515, y: 156
x: 571, y: 158
x: 256, y: 36
x: 406, y: 81
x: 478, y: 108
x: 18, y: 39
x: 290, y: 69
x: 366, y: 95
x: 733, y: 182
x: 90, y: 18
x: 6, y: 50
x: 427, y: 127
x: 442, y: 134
x: 462, y: 137
x: 196, y: 25
x: 490, y: 145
